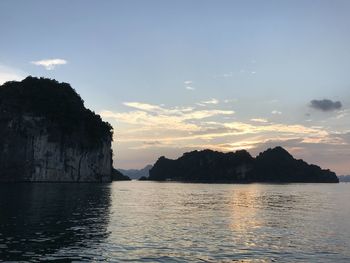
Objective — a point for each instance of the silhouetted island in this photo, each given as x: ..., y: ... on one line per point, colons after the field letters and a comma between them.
x: 274, y: 165
x: 344, y: 178
x: 46, y: 134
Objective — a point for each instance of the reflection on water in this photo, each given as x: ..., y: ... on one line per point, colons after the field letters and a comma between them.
x: 46, y: 221
x: 175, y: 222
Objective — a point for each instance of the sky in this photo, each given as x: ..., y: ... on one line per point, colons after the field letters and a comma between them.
x: 177, y: 76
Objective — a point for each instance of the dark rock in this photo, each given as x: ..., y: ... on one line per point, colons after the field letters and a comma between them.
x: 46, y: 134
x: 274, y: 165
x: 207, y: 165
x: 277, y: 165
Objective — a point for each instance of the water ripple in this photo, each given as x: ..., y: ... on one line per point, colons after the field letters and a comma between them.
x: 174, y: 222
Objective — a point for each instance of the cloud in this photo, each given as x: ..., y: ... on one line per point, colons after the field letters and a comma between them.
x: 154, y: 130
x: 325, y: 105
x: 183, y: 125
x: 50, y: 64
x: 157, y: 119
x: 277, y: 128
x: 276, y: 112
x: 144, y: 106
x: 230, y: 100
x: 342, y: 114
x: 211, y: 101
x: 188, y: 85
x: 190, y: 88
x: 10, y: 74
x: 261, y: 120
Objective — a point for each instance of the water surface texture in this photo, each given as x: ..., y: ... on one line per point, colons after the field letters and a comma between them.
x: 175, y: 222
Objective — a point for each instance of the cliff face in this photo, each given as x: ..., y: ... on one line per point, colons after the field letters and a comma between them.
x: 274, y: 165
x: 58, y: 140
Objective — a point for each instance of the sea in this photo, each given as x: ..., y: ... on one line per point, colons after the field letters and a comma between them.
x: 141, y: 221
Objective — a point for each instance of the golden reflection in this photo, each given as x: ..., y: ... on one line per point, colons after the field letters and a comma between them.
x: 244, y: 209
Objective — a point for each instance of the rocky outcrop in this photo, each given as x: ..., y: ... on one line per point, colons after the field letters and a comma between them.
x: 46, y: 134
x: 274, y: 165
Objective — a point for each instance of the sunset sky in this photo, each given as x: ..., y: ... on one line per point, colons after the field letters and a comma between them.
x: 174, y: 76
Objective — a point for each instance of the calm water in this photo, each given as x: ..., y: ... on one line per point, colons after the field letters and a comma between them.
x: 175, y: 222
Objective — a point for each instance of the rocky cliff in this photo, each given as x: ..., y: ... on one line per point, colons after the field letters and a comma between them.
x: 46, y: 134
x: 274, y: 165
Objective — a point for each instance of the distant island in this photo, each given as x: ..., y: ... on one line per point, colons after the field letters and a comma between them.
x: 46, y: 134
x: 344, y: 178
x: 273, y: 165
x: 135, y: 173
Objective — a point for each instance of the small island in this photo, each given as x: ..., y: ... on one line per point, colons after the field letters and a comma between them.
x: 46, y: 134
x: 271, y: 166
x: 344, y: 178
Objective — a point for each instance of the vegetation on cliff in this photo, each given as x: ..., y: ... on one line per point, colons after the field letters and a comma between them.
x: 58, y: 103
x: 273, y: 165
